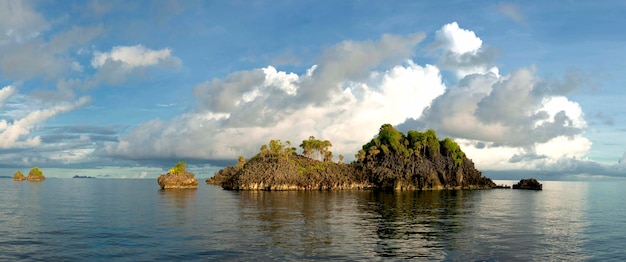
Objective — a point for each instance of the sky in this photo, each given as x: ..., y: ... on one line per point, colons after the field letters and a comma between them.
x: 125, y: 89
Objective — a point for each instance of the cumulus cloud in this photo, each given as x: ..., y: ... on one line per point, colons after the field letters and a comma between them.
x: 516, y: 120
x: 462, y: 51
x: 134, y: 56
x: 241, y: 111
x: 122, y: 62
x: 505, y: 110
x: 386, y: 97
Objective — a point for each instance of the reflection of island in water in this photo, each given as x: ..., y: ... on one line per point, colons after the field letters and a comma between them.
x: 382, y: 224
x: 177, y: 198
x: 290, y: 219
x: 413, y: 224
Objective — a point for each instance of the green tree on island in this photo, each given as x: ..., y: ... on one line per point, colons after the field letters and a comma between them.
x: 317, y: 149
x: 19, y: 176
x: 179, y: 168
x: 35, y: 174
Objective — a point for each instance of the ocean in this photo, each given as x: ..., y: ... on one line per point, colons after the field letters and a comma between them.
x: 133, y: 220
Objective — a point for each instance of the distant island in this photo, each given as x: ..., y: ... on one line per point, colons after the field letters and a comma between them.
x: 34, y: 175
x: 529, y: 183
x: 19, y: 176
x: 77, y: 176
x: 390, y: 161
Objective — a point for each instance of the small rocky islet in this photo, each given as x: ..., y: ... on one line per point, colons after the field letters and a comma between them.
x: 390, y: 161
x: 34, y: 175
x: 178, y: 178
x: 530, y: 183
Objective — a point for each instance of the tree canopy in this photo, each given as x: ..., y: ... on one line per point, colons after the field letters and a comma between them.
x: 390, y: 140
x: 35, y: 171
x: 179, y: 168
x: 317, y: 149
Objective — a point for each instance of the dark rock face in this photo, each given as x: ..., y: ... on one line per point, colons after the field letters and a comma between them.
x: 18, y: 176
x: 416, y: 160
x: 530, y: 183
x: 224, y: 174
x: 422, y: 172
x: 391, y: 161
x: 290, y: 172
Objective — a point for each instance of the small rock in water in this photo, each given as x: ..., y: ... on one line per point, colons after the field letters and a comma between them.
x: 530, y: 183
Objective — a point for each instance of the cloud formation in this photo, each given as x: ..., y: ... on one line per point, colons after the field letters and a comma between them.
x: 343, y: 98
x: 516, y: 120
x: 461, y: 51
x: 15, y: 133
x: 122, y: 62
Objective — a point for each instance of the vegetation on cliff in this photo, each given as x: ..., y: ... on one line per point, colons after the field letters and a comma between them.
x: 417, y: 160
x: 279, y: 167
x: 35, y: 175
x: 391, y: 160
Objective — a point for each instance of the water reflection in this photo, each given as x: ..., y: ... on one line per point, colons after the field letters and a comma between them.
x: 416, y: 224
x: 527, y: 225
x: 379, y: 224
x: 300, y: 223
x: 175, y: 203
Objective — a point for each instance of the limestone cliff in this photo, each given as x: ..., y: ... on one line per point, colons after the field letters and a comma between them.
x: 391, y: 161
x: 418, y: 160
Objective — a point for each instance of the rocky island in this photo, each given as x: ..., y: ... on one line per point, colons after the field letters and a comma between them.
x: 390, y: 161
x: 79, y: 176
x: 178, y: 178
x: 18, y: 176
x: 529, y: 183
x: 35, y: 175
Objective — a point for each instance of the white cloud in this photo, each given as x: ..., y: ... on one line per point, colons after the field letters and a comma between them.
x: 248, y: 108
x: 14, y: 134
x: 511, y: 121
x: 122, y: 62
x: 457, y: 40
x: 5, y: 93
x: 132, y: 56
x: 462, y: 51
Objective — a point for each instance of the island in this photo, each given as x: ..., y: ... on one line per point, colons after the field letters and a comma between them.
x: 529, y: 183
x: 18, y: 176
x: 178, y: 178
x: 35, y: 175
x: 390, y: 161
x: 77, y: 176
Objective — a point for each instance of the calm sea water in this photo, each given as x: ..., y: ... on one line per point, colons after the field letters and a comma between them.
x: 108, y: 219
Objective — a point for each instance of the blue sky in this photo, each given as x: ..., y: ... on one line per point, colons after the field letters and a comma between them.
x: 126, y: 89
